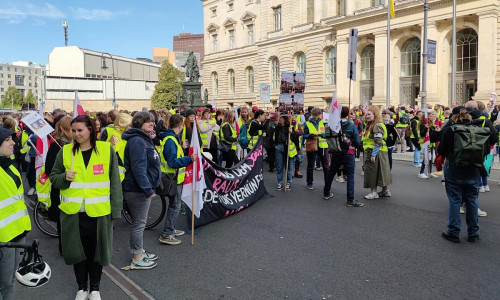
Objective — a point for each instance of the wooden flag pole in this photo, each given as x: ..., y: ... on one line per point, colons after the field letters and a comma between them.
x: 285, y: 172
x: 195, y: 177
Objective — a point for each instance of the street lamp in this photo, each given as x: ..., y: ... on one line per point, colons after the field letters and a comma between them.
x: 41, y: 105
x: 104, y: 67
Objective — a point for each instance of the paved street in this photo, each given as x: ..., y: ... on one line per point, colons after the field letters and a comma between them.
x: 299, y: 246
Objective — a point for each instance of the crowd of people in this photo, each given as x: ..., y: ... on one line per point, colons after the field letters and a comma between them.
x: 97, y: 161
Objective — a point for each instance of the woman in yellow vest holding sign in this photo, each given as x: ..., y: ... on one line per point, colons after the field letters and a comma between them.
x: 86, y: 172
x: 14, y: 218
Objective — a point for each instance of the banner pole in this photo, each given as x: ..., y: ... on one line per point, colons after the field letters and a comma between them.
x: 287, y: 158
x: 193, y: 195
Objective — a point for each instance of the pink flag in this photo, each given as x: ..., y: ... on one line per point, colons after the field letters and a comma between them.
x: 77, y: 107
x: 365, y: 108
x: 236, y: 121
x: 194, y: 184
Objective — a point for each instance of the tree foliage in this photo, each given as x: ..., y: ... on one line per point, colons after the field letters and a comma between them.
x: 12, y: 94
x: 30, y: 98
x: 170, y: 80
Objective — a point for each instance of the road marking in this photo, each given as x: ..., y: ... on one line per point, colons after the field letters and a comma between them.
x: 128, y: 286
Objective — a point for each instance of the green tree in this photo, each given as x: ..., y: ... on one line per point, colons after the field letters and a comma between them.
x: 12, y: 95
x: 169, y: 81
x: 30, y: 98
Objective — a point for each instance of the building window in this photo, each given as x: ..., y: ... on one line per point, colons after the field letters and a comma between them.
x: 331, y: 66
x: 8, y: 68
x: 232, y: 82
x: 301, y: 63
x: 36, y: 72
x: 215, y: 43
x: 230, y: 6
x: 250, y: 34
x: 277, y: 18
x: 9, y: 76
x: 275, y: 73
x: 340, y: 8
x: 15, y: 69
x: 1, y: 82
x: 367, y: 62
x: 29, y: 84
x: 29, y: 78
x: 215, y: 78
x: 9, y: 82
x: 1, y: 68
x: 410, y: 58
x: 21, y: 91
x: 3, y: 96
x: 378, y: 2
x: 19, y: 80
x: 2, y: 89
x: 214, y: 12
x: 22, y: 70
x: 231, y: 39
x: 466, y: 50
x: 1, y: 75
x: 29, y: 71
x: 250, y: 80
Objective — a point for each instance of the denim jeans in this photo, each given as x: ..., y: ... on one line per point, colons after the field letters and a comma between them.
x: 416, y: 156
x: 347, y: 160
x: 138, y: 205
x: 311, y: 160
x: 484, y: 180
x: 297, y: 161
x: 457, y: 192
x: 280, y: 163
x: 174, y: 207
x: 9, y: 262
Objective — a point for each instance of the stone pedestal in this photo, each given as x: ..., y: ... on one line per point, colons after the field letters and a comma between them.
x: 192, y: 94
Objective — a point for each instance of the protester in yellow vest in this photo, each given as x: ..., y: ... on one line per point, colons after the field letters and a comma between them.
x: 113, y: 135
x: 376, y: 163
x: 208, y: 127
x: 315, y: 131
x: 86, y: 172
x: 285, y: 139
x: 256, y: 127
x: 228, y: 136
x: 14, y: 217
x: 173, y: 164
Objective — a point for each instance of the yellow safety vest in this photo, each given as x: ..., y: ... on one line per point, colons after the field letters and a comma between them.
x: 14, y: 217
x: 119, y: 149
x: 368, y: 141
x: 233, y: 134
x: 252, y: 140
x: 43, y: 187
x: 292, y: 150
x: 203, y: 136
x: 91, y: 184
x: 164, y: 164
x: 321, y: 130
x: 24, y: 143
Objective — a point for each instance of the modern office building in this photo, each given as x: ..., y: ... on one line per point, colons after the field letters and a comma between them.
x: 186, y: 42
x: 24, y: 75
x: 251, y: 42
x: 161, y: 54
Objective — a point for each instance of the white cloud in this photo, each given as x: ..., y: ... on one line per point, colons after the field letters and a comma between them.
x: 15, y: 14
x: 95, y: 14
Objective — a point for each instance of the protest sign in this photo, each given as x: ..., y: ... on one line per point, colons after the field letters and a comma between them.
x: 37, y: 124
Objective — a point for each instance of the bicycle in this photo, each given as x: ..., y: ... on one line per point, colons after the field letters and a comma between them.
x: 42, y: 221
x: 156, y: 212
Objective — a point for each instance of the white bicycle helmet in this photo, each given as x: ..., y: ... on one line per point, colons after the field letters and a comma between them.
x: 34, y: 274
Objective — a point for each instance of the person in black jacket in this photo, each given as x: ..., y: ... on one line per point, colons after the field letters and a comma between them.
x: 414, y: 135
x: 228, y: 136
x: 258, y: 123
x: 281, y: 133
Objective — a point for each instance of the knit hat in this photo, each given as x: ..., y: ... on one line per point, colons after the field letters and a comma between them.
x: 457, y: 109
x: 5, y: 133
x: 190, y: 112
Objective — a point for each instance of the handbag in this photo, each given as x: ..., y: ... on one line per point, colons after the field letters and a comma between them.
x: 311, y: 145
x: 223, y: 146
x: 168, y: 184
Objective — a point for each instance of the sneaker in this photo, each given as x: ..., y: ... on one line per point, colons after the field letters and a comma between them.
x: 341, y: 179
x: 462, y: 210
x: 384, y: 193
x: 298, y: 175
x: 179, y: 232
x: 142, y: 264
x: 319, y: 169
x: 148, y: 255
x: 453, y: 239
x: 473, y: 238
x: 372, y: 196
x: 439, y: 173
x: 310, y: 187
x: 417, y: 165
x: 486, y: 188
x: 328, y: 197
x: 356, y: 159
x: 169, y: 240
x: 287, y: 187
x: 95, y: 295
x: 481, y: 189
x: 354, y: 203
x: 434, y: 175
x: 31, y: 192
x: 82, y: 295
x: 422, y: 176
x: 481, y: 213
x: 407, y: 149
x: 279, y: 187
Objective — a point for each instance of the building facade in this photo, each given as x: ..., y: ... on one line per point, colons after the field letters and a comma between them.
x: 186, y: 42
x: 23, y: 75
x: 252, y: 41
x: 161, y: 54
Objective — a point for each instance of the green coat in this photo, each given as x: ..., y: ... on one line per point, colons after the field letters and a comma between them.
x: 70, y: 234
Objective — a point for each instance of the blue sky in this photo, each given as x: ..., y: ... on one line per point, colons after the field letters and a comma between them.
x: 31, y: 29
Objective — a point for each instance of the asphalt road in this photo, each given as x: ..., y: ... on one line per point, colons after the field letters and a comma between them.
x: 299, y: 246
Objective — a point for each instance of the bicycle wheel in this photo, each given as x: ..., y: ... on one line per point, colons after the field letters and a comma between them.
x: 156, y: 212
x: 42, y: 220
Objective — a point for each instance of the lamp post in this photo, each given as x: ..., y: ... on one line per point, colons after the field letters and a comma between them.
x: 104, y: 67
x: 41, y: 105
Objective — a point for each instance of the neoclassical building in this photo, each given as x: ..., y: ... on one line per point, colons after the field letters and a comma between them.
x: 249, y: 42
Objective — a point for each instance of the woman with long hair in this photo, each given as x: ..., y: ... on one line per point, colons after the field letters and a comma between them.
x: 433, y: 126
x: 86, y: 172
x: 228, y: 136
x: 376, y: 160
x: 207, y: 127
x: 244, y: 115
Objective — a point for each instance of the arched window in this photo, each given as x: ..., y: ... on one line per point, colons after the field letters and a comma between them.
x: 410, y: 58
x: 367, y: 62
x: 215, y: 83
x: 466, y: 50
x: 301, y: 63
x: 232, y: 81
x: 275, y: 73
x: 250, y: 80
x: 331, y: 66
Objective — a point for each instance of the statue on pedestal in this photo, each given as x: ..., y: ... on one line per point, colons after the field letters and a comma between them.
x: 192, y: 70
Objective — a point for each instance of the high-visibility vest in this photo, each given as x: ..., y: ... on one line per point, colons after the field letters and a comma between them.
x: 296, y: 127
x: 368, y: 141
x: 204, y: 136
x: 43, y: 187
x: 164, y: 164
x: 91, y: 184
x: 412, y: 136
x: 233, y: 134
x: 14, y: 217
x: 252, y: 140
x: 24, y: 143
x: 292, y: 150
x: 321, y: 130
x: 112, y: 131
x: 119, y: 149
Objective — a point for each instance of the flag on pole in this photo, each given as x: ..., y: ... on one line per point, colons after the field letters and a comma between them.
x: 365, y: 108
x: 214, y: 105
x: 391, y: 9
x: 334, y: 115
x: 194, y: 184
x: 77, y: 107
x: 236, y: 121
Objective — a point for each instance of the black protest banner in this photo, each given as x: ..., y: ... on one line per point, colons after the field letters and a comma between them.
x: 232, y: 190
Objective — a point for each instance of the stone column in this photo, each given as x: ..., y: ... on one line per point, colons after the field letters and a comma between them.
x: 379, y: 97
x: 487, y: 55
x: 350, y: 6
x: 342, y: 85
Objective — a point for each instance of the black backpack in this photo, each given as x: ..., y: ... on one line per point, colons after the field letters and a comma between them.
x: 338, y: 143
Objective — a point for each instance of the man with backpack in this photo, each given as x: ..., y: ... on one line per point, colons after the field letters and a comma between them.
x: 402, y: 122
x: 342, y: 147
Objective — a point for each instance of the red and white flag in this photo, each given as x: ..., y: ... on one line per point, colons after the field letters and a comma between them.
x: 77, y: 107
x: 334, y: 116
x: 236, y: 121
x: 194, y: 184
x: 365, y: 108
